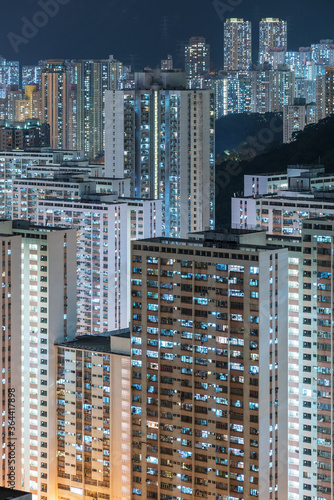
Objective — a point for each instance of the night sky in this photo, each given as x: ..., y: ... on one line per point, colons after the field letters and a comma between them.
x: 141, y: 32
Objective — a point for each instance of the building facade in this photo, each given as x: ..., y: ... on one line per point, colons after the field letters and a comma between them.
x: 278, y: 203
x: 310, y: 408
x: 164, y: 141
x: 31, y: 75
x: 11, y: 325
x: 323, y: 52
x: 295, y: 119
x: 22, y: 164
x: 9, y: 75
x: 54, y: 102
x: 209, y: 368
x: 105, y: 230
x: 329, y: 91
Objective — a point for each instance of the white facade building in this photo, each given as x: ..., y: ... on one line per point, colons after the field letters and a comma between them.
x: 94, y: 379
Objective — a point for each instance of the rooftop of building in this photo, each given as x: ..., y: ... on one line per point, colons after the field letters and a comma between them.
x: 228, y: 238
x: 97, y: 343
x: 7, y: 493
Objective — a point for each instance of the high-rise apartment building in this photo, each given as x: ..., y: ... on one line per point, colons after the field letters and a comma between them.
x: 11, y: 328
x: 282, y: 91
x: 164, y: 141
x: 30, y: 96
x: 167, y: 64
x: 219, y: 85
x: 237, y: 45
x: 35, y: 104
x: 294, y: 59
x: 306, y: 89
x: 93, y: 398
x: 49, y: 305
x: 22, y: 164
x: 258, y: 90
x: 12, y: 97
x: 277, y: 57
x: 44, y: 268
x: 72, y: 120
x: 320, y: 86
x: 303, y: 222
x: 296, y: 117
x: 310, y: 339
x: 323, y: 52
x: 197, y: 61
x: 329, y: 90
x: 105, y: 219
x: 30, y: 134
x: 94, y: 77
x: 310, y: 362
x: 15, y: 494
x: 239, y: 92
x: 255, y: 185
x: 21, y: 111
x: 281, y: 214
x: 105, y: 226
x: 209, y: 368
x: 31, y: 75
x: 54, y: 102
x: 273, y: 34
x: 62, y: 185
x: 9, y: 75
